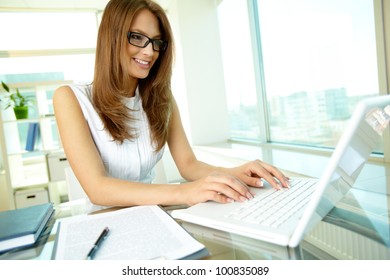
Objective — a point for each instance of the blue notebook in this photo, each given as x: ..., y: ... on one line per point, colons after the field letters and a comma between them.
x: 32, y: 136
x: 22, y: 227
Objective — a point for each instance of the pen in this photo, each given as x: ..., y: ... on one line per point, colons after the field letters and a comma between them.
x: 97, y: 244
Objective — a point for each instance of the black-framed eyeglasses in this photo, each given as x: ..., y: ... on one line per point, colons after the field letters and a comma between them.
x: 141, y: 41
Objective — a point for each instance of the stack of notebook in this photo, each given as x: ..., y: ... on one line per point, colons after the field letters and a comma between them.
x: 22, y: 227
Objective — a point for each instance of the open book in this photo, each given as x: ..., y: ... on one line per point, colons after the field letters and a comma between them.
x: 142, y: 232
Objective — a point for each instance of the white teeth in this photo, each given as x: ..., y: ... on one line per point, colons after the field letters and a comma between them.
x: 142, y: 61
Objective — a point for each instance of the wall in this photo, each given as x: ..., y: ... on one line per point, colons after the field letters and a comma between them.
x: 6, y: 199
x: 198, y: 79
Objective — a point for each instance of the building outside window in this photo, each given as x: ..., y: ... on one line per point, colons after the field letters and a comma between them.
x: 313, y: 61
x: 316, y: 60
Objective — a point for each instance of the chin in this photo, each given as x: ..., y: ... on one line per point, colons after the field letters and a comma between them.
x: 138, y: 75
x: 143, y: 76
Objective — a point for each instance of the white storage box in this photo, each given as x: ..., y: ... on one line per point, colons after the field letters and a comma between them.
x: 56, y: 163
x: 30, y: 197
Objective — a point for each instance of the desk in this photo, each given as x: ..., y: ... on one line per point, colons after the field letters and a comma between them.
x: 348, y: 232
x: 357, y: 228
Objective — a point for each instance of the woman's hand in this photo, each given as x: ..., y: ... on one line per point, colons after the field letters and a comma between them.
x: 252, y: 172
x: 217, y: 186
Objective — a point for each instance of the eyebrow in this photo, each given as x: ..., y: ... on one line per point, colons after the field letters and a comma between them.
x: 158, y: 36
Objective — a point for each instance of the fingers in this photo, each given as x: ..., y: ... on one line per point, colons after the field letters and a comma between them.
x: 254, y: 181
x: 233, y: 185
x: 258, y: 169
x: 228, y: 186
x: 218, y: 197
x: 271, y: 174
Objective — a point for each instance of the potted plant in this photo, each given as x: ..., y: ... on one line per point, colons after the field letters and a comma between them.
x: 18, y: 102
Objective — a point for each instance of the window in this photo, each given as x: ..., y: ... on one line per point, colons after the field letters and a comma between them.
x: 39, y: 44
x: 47, y: 30
x: 318, y: 59
x: 43, y: 47
x: 238, y: 62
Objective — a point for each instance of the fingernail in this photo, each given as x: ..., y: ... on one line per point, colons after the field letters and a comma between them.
x: 249, y: 195
x: 279, y: 186
x: 243, y: 199
x: 229, y: 200
x: 260, y: 183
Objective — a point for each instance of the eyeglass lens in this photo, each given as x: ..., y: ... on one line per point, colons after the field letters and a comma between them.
x: 141, y: 41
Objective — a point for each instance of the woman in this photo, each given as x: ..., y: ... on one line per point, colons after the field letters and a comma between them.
x: 114, y: 131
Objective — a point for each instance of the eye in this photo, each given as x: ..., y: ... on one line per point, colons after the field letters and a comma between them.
x: 136, y: 37
x: 160, y: 44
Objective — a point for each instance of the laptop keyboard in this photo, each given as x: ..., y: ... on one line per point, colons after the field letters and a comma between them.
x: 274, y: 207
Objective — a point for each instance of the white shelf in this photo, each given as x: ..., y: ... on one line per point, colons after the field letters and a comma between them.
x: 22, y: 168
x: 20, y: 121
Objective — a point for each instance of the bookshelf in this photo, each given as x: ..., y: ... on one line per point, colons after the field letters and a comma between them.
x: 26, y: 145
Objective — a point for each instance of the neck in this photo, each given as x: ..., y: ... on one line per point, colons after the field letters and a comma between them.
x: 131, y: 86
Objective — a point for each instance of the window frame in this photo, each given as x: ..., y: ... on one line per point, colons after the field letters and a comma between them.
x: 50, y: 52
x: 382, y: 17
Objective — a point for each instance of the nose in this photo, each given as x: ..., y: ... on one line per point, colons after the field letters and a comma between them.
x: 148, y: 50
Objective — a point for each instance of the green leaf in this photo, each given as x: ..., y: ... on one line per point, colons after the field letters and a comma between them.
x: 5, y: 86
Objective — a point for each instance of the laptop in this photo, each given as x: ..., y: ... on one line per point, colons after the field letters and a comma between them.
x: 313, y: 198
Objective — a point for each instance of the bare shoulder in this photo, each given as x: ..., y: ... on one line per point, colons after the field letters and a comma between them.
x: 63, y: 92
x: 175, y: 107
x: 64, y: 97
x: 65, y: 103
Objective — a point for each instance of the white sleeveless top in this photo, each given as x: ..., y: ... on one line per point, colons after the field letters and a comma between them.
x: 132, y: 160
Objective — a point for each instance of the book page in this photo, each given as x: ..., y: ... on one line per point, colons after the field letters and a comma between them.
x: 143, y: 232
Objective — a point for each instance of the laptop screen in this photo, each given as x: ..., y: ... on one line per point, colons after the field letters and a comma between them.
x: 347, y: 191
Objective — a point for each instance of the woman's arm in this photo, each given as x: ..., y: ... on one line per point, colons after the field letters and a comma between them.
x: 102, y: 189
x: 88, y: 167
x: 192, y: 169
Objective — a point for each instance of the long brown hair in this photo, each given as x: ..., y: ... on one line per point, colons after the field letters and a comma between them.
x: 111, y: 78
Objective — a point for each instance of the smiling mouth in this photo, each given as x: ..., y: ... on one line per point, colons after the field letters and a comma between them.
x: 143, y: 62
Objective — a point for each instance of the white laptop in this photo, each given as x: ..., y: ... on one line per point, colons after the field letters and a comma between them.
x: 302, y: 206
